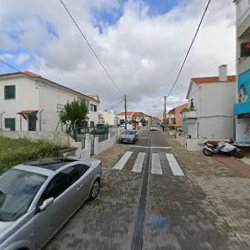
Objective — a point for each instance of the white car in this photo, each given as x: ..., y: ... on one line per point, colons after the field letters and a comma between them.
x: 153, y: 128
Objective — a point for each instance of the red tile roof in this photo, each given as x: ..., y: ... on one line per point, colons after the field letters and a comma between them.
x: 212, y: 79
x: 134, y: 113
x: 123, y: 113
x: 33, y: 75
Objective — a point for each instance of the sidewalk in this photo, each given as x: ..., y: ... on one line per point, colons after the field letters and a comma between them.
x: 226, y: 182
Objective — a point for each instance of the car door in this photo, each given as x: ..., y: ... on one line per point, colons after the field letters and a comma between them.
x: 82, y: 174
x: 64, y: 188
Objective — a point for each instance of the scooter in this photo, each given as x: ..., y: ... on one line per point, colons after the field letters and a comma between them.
x: 222, y: 148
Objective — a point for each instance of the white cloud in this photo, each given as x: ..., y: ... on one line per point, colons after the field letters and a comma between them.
x: 142, y: 53
x: 22, y: 58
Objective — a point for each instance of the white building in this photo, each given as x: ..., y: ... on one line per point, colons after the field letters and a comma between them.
x: 106, y: 117
x: 211, y: 100
x: 29, y: 102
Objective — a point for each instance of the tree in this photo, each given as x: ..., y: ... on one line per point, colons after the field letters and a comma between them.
x: 74, y: 114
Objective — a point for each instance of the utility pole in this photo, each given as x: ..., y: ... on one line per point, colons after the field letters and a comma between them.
x: 125, y: 106
x: 165, y: 111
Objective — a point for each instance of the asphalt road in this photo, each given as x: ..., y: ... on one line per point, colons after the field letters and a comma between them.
x: 146, y: 203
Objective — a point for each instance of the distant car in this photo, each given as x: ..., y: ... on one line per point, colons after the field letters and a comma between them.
x: 38, y: 197
x: 153, y: 128
x: 129, y: 136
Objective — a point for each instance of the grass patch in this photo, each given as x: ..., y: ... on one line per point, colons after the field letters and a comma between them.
x: 13, y: 152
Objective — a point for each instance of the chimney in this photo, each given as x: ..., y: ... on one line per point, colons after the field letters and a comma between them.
x: 223, y: 73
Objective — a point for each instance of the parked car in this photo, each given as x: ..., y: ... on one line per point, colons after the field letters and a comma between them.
x: 129, y: 136
x: 153, y: 128
x: 38, y: 197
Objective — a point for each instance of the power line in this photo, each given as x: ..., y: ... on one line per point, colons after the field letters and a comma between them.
x: 111, y: 107
x: 189, y: 49
x: 89, y: 45
x: 10, y: 66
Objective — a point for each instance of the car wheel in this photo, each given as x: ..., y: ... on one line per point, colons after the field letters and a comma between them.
x: 95, y: 190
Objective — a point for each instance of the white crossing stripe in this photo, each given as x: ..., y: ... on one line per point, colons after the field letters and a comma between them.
x: 156, y: 164
x: 121, y: 163
x: 139, y: 162
x: 175, y: 168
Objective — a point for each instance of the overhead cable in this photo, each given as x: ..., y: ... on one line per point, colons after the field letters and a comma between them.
x: 189, y: 49
x: 89, y: 45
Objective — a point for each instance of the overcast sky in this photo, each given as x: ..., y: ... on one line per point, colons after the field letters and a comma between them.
x: 142, y: 43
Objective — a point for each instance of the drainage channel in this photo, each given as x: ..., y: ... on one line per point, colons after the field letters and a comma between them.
x: 137, y: 240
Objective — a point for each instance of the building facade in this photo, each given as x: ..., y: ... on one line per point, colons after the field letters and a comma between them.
x: 106, y: 117
x: 174, y: 116
x: 242, y: 105
x: 210, y: 109
x: 29, y: 102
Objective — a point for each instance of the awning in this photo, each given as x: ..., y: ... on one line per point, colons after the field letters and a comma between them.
x: 27, y: 112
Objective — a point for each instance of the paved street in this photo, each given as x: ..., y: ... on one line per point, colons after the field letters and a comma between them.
x: 156, y: 195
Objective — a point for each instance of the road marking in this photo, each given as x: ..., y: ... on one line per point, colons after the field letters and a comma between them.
x: 139, y: 163
x: 156, y: 164
x: 121, y: 163
x: 135, y: 146
x: 175, y: 168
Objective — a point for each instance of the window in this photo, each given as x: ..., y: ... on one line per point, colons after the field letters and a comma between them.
x: 63, y: 180
x: 10, y: 123
x: 9, y: 92
x: 93, y: 107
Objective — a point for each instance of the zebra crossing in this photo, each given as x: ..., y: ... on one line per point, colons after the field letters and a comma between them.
x: 156, y: 166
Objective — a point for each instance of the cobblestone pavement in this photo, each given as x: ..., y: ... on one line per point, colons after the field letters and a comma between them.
x: 208, y: 208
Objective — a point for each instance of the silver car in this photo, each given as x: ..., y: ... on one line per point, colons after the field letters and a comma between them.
x: 38, y: 197
x: 129, y: 136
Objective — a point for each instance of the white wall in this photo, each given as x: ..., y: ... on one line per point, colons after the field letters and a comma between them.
x: 217, y: 99
x: 27, y: 96
x: 93, y: 116
x: 109, y: 118
x: 214, y: 104
x: 50, y: 98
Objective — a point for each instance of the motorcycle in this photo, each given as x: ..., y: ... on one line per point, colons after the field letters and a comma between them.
x: 222, y: 148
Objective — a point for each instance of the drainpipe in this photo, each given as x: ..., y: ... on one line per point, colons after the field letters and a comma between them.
x: 40, y: 119
x: 1, y: 115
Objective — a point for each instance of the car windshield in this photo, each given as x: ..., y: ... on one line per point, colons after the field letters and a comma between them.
x: 126, y: 132
x: 17, y: 190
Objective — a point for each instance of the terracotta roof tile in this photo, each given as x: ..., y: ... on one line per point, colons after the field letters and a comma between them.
x: 212, y: 79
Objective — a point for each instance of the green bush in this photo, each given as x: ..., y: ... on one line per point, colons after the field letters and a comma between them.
x: 14, y: 152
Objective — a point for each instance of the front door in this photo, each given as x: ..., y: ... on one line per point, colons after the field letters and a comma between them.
x: 32, y: 122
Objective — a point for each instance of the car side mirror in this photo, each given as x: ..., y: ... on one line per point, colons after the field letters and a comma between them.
x: 46, y: 204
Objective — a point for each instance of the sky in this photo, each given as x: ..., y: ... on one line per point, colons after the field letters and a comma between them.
x: 142, y: 43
